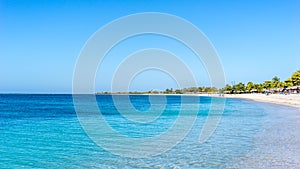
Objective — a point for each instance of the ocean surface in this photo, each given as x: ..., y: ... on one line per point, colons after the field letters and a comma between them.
x: 43, y: 131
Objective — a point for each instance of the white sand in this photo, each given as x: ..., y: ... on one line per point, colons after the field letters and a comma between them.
x: 289, y: 100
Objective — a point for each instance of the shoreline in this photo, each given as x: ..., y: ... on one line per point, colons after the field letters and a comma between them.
x: 292, y: 100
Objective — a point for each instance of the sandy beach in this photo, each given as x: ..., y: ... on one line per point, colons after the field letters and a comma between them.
x: 289, y: 100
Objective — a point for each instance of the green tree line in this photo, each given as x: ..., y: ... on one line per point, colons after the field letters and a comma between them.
x: 275, y: 83
x: 191, y: 90
x: 240, y: 87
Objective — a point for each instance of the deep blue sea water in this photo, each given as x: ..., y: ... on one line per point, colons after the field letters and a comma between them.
x: 43, y: 131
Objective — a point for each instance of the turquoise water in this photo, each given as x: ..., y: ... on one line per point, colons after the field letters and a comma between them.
x: 42, y: 131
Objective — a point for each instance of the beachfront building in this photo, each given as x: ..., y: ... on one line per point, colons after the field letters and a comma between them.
x: 276, y: 90
x: 293, y: 89
x: 253, y: 91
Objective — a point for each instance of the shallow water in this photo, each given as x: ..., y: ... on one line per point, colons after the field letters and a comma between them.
x: 278, y: 144
x: 39, y: 131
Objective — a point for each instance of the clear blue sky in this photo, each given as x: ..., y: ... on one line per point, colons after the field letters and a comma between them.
x: 40, y: 40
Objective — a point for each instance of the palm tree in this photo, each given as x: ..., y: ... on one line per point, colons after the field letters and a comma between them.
x: 275, y: 81
x: 267, y: 85
x: 249, y: 86
x: 296, y: 78
x: 240, y: 87
x: 259, y: 88
x: 288, y: 82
